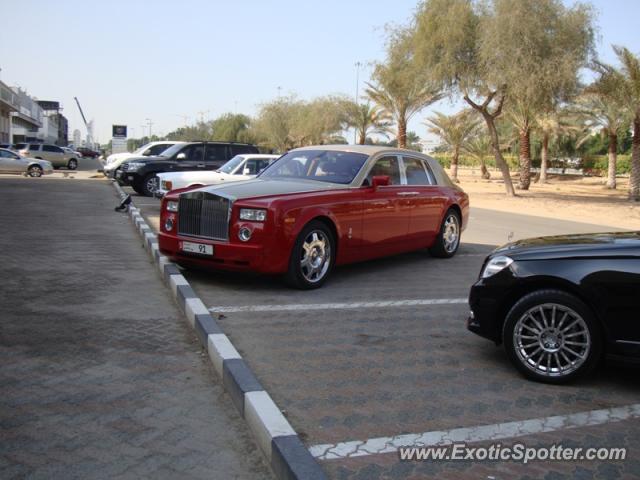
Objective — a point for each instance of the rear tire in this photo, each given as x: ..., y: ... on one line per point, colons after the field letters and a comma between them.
x: 312, y: 257
x: 552, y: 336
x: 448, y: 240
x: 73, y: 164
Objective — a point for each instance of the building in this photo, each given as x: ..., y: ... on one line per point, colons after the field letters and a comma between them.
x: 8, y: 105
x: 55, y: 127
x: 77, y: 138
x: 27, y: 120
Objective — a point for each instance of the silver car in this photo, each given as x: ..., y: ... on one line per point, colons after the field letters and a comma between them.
x: 11, y: 162
x: 54, y: 154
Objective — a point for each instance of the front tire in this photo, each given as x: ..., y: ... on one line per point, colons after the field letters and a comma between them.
x: 552, y: 336
x: 73, y: 164
x: 34, y: 171
x: 448, y: 240
x: 149, y: 185
x: 312, y: 257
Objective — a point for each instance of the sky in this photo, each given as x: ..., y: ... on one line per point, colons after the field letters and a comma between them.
x: 171, y: 62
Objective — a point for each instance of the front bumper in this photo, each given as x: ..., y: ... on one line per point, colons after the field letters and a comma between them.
x: 226, y: 256
x: 125, y: 178
x: 485, y: 317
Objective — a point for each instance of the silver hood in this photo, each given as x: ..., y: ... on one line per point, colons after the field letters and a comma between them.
x: 265, y: 188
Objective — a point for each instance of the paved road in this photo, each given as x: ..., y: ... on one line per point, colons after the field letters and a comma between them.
x: 100, y: 377
x: 370, y: 356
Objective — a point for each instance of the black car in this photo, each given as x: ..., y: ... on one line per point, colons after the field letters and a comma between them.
x: 140, y: 172
x: 560, y: 303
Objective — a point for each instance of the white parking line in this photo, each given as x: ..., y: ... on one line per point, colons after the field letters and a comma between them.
x: 498, y: 431
x: 336, y: 306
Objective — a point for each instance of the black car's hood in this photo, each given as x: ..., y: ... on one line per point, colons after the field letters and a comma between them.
x: 615, y: 244
x: 146, y: 159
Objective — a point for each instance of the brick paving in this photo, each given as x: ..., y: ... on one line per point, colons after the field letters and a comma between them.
x: 100, y: 377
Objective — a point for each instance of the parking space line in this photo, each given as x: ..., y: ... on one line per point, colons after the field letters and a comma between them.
x: 336, y: 306
x: 498, y: 431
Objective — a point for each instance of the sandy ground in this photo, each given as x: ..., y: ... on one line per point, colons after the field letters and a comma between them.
x: 567, y: 198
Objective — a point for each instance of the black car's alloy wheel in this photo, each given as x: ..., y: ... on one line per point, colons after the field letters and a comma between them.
x: 312, y: 257
x: 448, y: 240
x: 150, y: 185
x: 552, y: 336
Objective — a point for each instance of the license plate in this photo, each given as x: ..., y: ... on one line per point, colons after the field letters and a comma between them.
x: 201, y: 248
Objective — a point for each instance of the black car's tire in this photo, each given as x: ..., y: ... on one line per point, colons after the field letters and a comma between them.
x: 448, y: 239
x: 73, y: 164
x: 312, y: 257
x: 149, y: 184
x: 34, y: 171
x: 552, y: 336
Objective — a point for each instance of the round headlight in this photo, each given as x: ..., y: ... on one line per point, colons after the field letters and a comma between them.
x: 244, y: 234
x: 168, y: 224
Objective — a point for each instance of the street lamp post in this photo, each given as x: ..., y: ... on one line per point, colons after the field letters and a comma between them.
x: 149, y: 123
x: 358, y: 64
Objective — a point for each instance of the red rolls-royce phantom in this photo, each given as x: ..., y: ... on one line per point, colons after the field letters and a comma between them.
x: 314, y: 208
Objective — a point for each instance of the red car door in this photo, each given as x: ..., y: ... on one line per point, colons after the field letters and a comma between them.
x: 427, y: 200
x: 386, y: 209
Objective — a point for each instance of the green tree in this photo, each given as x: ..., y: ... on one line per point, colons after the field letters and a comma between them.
x: 398, y: 87
x: 232, y: 127
x: 454, y: 131
x: 366, y: 119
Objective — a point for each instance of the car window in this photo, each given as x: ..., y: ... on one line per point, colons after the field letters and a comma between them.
x: 34, y: 148
x: 319, y: 165
x: 51, y: 148
x: 231, y: 165
x: 216, y: 153
x: 250, y: 168
x: 240, y: 149
x: 262, y: 164
x: 8, y: 154
x: 415, y: 172
x: 156, y: 149
x: 20, y: 146
x: 194, y: 153
x: 388, y: 166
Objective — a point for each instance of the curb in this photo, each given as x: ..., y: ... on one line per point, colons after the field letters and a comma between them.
x: 284, y: 451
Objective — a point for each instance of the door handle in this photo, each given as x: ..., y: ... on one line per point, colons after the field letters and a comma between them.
x: 200, y: 165
x: 408, y: 194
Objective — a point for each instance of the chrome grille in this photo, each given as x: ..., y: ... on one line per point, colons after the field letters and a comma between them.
x: 202, y: 214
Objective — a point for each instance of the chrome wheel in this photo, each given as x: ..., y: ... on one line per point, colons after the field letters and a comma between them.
x: 35, y: 172
x: 551, y: 340
x: 73, y: 164
x: 151, y: 185
x: 451, y: 233
x: 316, y: 256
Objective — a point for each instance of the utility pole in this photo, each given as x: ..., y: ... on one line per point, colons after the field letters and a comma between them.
x: 358, y: 64
x: 142, y: 127
x: 202, y: 115
x: 149, y: 122
x: 185, y: 119
x: 279, y: 92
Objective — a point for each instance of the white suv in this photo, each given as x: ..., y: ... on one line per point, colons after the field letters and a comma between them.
x: 148, y: 150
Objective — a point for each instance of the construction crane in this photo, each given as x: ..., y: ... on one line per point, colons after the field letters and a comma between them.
x: 89, y: 125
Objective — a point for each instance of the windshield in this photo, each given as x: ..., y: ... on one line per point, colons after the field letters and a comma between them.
x: 171, y: 151
x: 319, y: 165
x: 232, y: 164
x: 141, y: 150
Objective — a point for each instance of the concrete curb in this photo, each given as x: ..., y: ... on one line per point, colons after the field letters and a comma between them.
x: 286, y: 454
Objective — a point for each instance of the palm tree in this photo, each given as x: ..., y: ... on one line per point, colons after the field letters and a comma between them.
x: 454, y: 131
x: 365, y: 119
x: 552, y: 124
x: 479, y: 147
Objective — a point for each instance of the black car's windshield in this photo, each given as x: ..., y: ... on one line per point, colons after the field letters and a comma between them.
x: 320, y: 165
x: 171, y: 151
x: 232, y: 164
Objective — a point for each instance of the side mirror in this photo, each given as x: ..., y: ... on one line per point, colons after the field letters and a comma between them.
x: 380, y: 181
x: 181, y: 156
x: 246, y: 171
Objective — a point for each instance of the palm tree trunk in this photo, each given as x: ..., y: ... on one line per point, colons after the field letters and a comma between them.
x: 544, y: 163
x: 483, y: 169
x: 525, y: 159
x: 454, y: 164
x: 362, y: 137
x: 402, y: 133
x: 613, y: 161
x: 634, y: 179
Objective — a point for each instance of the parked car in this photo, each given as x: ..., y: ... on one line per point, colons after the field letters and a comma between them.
x: 559, y: 303
x: 11, y: 162
x: 7, y: 145
x: 141, y: 172
x: 149, y: 150
x: 240, y: 167
x: 87, y: 152
x: 54, y: 154
x: 314, y: 208
x: 72, y: 152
